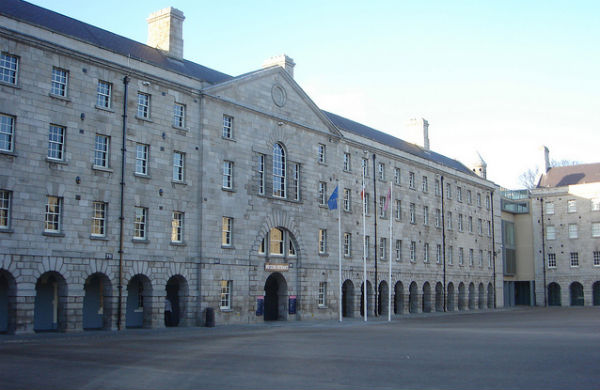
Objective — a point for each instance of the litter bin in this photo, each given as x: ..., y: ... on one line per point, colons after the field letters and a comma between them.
x: 210, y: 317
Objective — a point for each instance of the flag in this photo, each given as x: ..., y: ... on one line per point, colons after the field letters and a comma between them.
x: 388, y: 199
x: 332, y: 202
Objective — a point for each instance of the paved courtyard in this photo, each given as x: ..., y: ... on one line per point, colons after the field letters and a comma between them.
x: 531, y: 348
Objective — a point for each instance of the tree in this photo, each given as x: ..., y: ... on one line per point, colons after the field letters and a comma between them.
x: 530, y: 178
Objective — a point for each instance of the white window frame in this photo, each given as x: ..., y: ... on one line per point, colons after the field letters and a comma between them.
x: 426, y: 252
x: 227, y: 232
x: 365, y: 167
x: 322, y: 241
x: 461, y: 256
x: 179, y: 115
x: 382, y: 247
x: 366, y: 203
x: 438, y: 218
x: 9, y: 68
x: 347, y: 199
x: 142, y: 154
x: 102, y: 151
x: 397, y: 176
x: 551, y: 260
x: 595, y: 229
x: 425, y: 184
x: 398, y: 250
x: 438, y: 254
x: 5, y: 209
x: 571, y: 206
x: 7, y: 133
x: 366, y: 243
x: 56, y: 142
x: 322, y: 193
x: 426, y: 215
x: 261, y: 174
x: 226, y: 287
x: 227, y: 175
x: 550, y: 232
x: 279, y: 171
x: 143, y: 105
x: 596, y: 258
x: 398, y: 209
x: 573, y: 231
x: 382, y: 207
x: 449, y: 219
x: 347, y: 160
x: 322, y: 298
x: 471, y: 257
x: 321, y: 153
x: 469, y: 197
x: 295, y: 182
x: 479, y: 199
x: 549, y: 208
x: 460, y: 222
x: 60, y: 82
x: 413, y: 213
x: 437, y: 187
x: 450, y: 255
x: 381, y: 171
x: 413, y: 251
x: 104, y: 94
x: 574, y: 257
x: 178, y: 166
x: 177, y: 225
x: 99, y: 213
x: 411, y: 180
x: 227, y: 127
x: 448, y: 191
x: 347, y: 244
x: 53, y: 215
x: 140, y: 224
x: 595, y: 204
x: 459, y: 194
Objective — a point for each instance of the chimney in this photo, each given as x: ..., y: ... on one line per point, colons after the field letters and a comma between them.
x: 282, y: 60
x: 546, y: 159
x: 418, y: 132
x: 165, y: 31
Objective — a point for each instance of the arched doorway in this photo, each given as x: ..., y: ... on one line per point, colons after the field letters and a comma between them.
x: 576, y: 292
x: 450, y: 303
x: 177, y: 293
x: 554, y: 294
x: 382, y: 304
x: 439, y: 297
x: 369, y: 297
x: 399, y: 298
x: 413, y: 298
x: 276, y: 298
x: 596, y: 294
x: 426, y: 298
x: 490, y: 296
x: 8, y: 294
x: 97, y: 302
x: 348, y: 299
x: 139, y: 302
x: 50, y: 301
x: 461, y: 297
x: 471, y: 296
x: 481, y: 303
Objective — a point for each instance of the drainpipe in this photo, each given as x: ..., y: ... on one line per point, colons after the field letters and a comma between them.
x: 443, y: 241
x: 543, y: 252
x: 376, y: 306
x: 121, y: 218
x: 493, y: 243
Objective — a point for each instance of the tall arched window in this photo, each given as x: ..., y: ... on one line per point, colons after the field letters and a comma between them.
x: 279, y: 167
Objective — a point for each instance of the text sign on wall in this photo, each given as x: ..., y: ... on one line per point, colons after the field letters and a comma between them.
x: 276, y: 267
x: 292, y: 304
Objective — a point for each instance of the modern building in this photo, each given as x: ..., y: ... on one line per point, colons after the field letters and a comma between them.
x: 133, y: 181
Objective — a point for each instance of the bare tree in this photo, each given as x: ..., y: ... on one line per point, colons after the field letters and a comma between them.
x: 529, y: 179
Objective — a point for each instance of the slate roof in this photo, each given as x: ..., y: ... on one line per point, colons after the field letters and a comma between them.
x: 65, y: 25
x: 570, y: 175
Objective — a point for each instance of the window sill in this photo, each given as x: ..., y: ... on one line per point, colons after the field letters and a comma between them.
x: 227, y: 189
x: 7, y: 153
x: 59, y: 97
x: 175, y: 243
x: 140, y: 241
x: 348, y: 211
x: 55, y: 161
x: 177, y: 182
x: 323, y: 254
x: 225, y: 310
x: 6, y: 230
x: 98, y: 238
x: 106, y: 109
x: 227, y: 247
x: 323, y: 163
x: 229, y: 139
x: 53, y: 234
x: 5, y: 84
x: 179, y: 128
x: 101, y: 169
x: 348, y: 170
x: 143, y: 119
x: 323, y: 307
x: 142, y: 176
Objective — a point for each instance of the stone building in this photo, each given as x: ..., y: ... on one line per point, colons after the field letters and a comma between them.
x: 133, y: 180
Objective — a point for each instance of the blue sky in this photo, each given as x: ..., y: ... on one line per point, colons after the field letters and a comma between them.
x: 500, y: 78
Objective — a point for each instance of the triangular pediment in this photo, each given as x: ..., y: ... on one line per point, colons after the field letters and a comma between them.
x: 272, y: 91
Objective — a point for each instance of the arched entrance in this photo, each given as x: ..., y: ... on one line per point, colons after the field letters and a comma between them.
x: 481, y: 303
x: 369, y: 297
x: 461, y: 297
x: 50, y: 301
x: 348, y: 299
x: 426, y: 298
x: 276, y: 298
x: 490, y: 296
x: 382, y: 305
x: 596, y: 294
x: 399, y: 298
x: 471, y: 296
x: 413, y: 298
x: 139, y: 302
x: 97, y: 302
x: 576, y: 292
x: 450, y: 303
x: 177, y: 293
x: 439, y: 297
x: 554, y: 294
x: 8, y: 294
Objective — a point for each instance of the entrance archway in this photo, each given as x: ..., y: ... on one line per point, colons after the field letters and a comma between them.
x: 8, y: 300
x: 471, y: 296
x: 596, y: 294
x: 276, y: 298
x: 139, y: 302
x: 50, y: 301
x: 439, y: 297
x: 554, y: 294
x: 382, y: 305
x: 97, y: 302
x: 461, y: 297
x: 399, y: 298
x: 369, y: 297
x: 413, y: 298
x: 450, y: 303
x: 426, y: 297
x: 481, y: 303
x: 576, y: 292
x: 177, y: 293
x: 348, y: 299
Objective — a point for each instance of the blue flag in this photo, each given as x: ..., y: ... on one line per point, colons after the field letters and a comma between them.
x: 332, y: 202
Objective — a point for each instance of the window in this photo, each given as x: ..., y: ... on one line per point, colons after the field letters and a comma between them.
x: 7, y: 131
x: 226, y: 231
x: 478, y: 199
x: 481, y: 258
x: 5, y: 198
x: 381, y: 171
x: 426, y: 252
x: 438, y: 254
x: 596, y: 204
x: 261, y: 174
x: 291, y: 248
x: 178, y: 166
x: 460, y: 222
x: 449, y: 220
x: 103, y: 94
x: 450, y: 255
x: 448, y: 191
x: 322, y: 241
x: 424, y: 184
x: 489, y: 228
x: 573, y: 230
x: 347, y: 244
x: 101, y: 151
x: 471, y: 257
x: 398, y: 250
x: 412, y: 211
x: 382, y: 246
x: 461, y: 256
x: 365, y: 167
x: 347, y: 165
x: 550, y: 232
x: 411, y: 180
x: 227, y: 175
x: 141, y: 159
x: 438, y: 218
x: 226, y: 288
x: 551, y: 260
x: 479, y: 226
x: 99, y: 219
x: 487, y: 202
x: 53, y: 214
x: 347, y: 199
x: 9, y: 67
x: 469, y: 197
x: 413, y: 251
x: 178, y: 115
x: 322, y: 294
x: 143, y: 107
x: 437, y: 187
x: 470, y: 224
x: 322, y: 193
x: 398, y: 209
x: 140, y: 223
x: 366, y: 203
x: 367, y: 244
x: 321, y: 154
x: 56, y: 142
x: 177, y: 227
x: 574, y: 259
x: 295, y: 183
x: 425, y: 215
x: 397, y: 176
x: 595, y: 229
x: 382, y: 206
x: 459, y: 194
x: 549, y: 208
x: 279, y: 166
x: 489, y: 259
x: 596, y: 258
x: 60, y: 78
x: 571, y: 206
x: 276, y: 242
x: 227, y: 127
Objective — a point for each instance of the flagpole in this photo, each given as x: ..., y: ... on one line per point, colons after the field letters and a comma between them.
x: 339, y: 252
x: 390, y: 255
x: 363, y: 197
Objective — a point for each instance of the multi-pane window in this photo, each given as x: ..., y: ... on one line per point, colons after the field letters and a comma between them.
x: 322, y: 193
x: 382, y: 246
x: 9, y: 68
x: 322, y: 241
x: 450, y: 255
x: 321, y: 154
x: 295, y: 182
x: 141, y: 159
x: 99, y: 219
x: 178, y: 166
x: 347, y: 244
x: 574, y: 256
x: 398, y: 250
x: 381, y: 171
x: 478, y: 199
x: 227, y: 126
x: 573, y: 230
x: 398, y: 209
x: 489, y: 256
x: 279, y: 167
x: 469, y: 197
x: 52, y: 220
x: 448, y: 191
x: 479, y: 226
x: 276, y: 242
x: 103, y: 94
x: 366, y: 203
x: 595, y: 229
x: 365, y: 167
x: 425, y: 215
x: 471, y: 257
x: 261, y: 174
x: 436, y: 185
x: 424, y: 184
x: 489, y: 228
x: 60, y: 78
x: 459, y: 194
x: 470, y: 221
x: 178, y: 115
x: 438, y: 254
x: 291, y: 248
x: 347, y: 165
x: 7, y: 132
x: 226, y: 288
x: 571, y: 206
x: 461, y: 256
x: 413, y: 251
x: 140, y: 223
x: 487, y: 201
x: 397, y: 176
x: 596, y: 204
x: 426, y: 252
x: 227, y: 175
x: 347, y: 199
x: 143, y: 106
x: 480, y: 258
x: 322, y: 294
x: 382, y: 206
x: 5, y: 198
x: 449, y: 220
x: 56, y: 142
x: 411, y: 180
x: 367, y: 244
x: 177, y: 226
x: 550, y: 232
x: 596, y: 255
x: 227, y: 231
x: 412, y: 213
x: 101, y: 151
x: 460, y: 222
x: 438, y: 218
